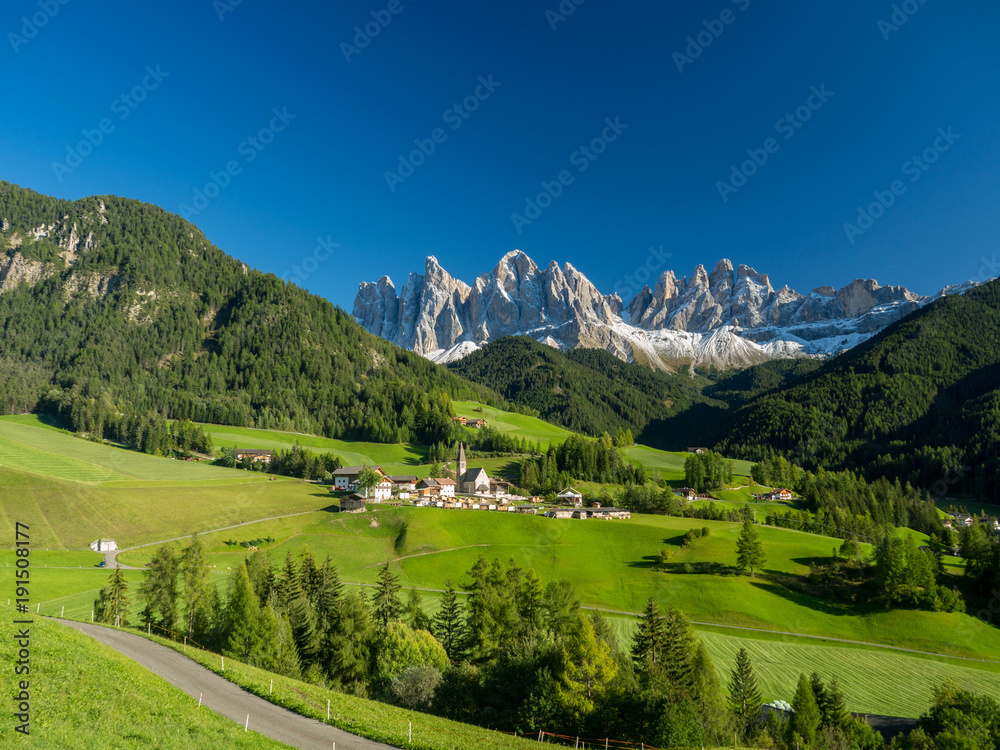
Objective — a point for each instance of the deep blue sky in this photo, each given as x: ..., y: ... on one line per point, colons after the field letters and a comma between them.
x: 656, y: 184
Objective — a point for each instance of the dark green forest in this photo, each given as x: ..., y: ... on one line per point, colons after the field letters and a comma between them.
x: 920, y: 402
x: 188, y: 332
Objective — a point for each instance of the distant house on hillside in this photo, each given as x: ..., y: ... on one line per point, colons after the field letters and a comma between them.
x: 782, y: 494
x: 570, y: 496
x: 257, y: 456
x: 346, y: 478
x: 609, y: 513
x: 699, y: 451
x: 460, y: 420
x: 353, y: 503
x: 688, y: 493
x: 476, y: 424
x: 104, y: 545
x: 436, y: 487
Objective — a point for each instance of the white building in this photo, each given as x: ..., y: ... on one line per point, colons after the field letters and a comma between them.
x: 104, y: 545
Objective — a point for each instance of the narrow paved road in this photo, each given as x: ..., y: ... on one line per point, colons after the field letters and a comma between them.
x: 224, y: 697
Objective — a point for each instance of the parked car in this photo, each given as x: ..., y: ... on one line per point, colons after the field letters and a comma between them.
x: 102, y: 564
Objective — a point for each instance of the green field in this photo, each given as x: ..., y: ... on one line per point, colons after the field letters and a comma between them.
x: 84, y: 694
x: 28, y: 444
x: 517, y: 425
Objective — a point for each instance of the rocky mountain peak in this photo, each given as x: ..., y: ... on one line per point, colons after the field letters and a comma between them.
x: 725, y: 317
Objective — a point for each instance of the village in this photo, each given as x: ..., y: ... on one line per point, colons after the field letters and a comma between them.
x: 472, y: 489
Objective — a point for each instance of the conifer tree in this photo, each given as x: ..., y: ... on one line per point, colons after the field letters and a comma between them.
x: 194, y: 571
x: 349, y: 656
x: 806, y: 718
x: 708, y: 696
x: 749, y: 549
x: 650, y: 643
x: 835, y: 712
x: 288, y: 586
x: 243, y: 615
x: 331, y: 593
x: 112, y: 603
x: 158, y: 589
x: 449, y: 625
x: 744, y: 696
x: 678, y: 646
x: 386, y: 604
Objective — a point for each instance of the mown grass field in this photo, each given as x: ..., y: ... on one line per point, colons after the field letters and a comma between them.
x: 517, y: 425
x: 84, y: 694
x: 64, y: 515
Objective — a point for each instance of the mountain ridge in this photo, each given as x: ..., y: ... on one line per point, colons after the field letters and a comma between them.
x: 728, y: 317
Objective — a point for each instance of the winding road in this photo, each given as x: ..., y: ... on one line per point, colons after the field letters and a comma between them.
x: 224, y: 697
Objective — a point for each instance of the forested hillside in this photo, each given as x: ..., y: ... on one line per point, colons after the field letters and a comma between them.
x: 110, y: 305
x: 920, y: 401
x: 585, y: 390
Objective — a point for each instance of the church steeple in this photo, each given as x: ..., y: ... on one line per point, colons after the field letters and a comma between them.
x: 460, y: 473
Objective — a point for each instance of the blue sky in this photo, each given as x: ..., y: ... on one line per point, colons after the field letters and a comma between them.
x: 183, y: 95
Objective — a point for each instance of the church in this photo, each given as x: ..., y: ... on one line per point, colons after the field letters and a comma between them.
x: 470, y: 481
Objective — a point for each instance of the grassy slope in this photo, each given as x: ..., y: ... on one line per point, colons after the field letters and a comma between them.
x: 378, y: 721
x: 65, y: 515
x: 86, y: 695
x: 611, y: 565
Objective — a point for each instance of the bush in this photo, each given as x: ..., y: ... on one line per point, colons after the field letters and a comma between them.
x: 416, y: 686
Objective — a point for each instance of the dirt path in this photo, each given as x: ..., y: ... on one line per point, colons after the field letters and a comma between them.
x: 224, y: 697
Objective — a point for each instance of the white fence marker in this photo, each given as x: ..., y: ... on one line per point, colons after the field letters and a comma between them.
x: 271, y: 691
x: 246, y: 727
x: 91, y: 615
x: 200, y: 696
x: 223, y: 663
x: 63, y: 611
x: 328, y: 709
x: 38, y: 608
x: 411, y: 732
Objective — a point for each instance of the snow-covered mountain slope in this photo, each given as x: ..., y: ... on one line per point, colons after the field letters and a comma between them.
x: 725, y: 318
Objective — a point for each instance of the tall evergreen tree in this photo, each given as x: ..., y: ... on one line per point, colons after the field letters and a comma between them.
x: 835, y: 712
x: 708, y: 696
x: 414, y: 614
x: 385, y: 599
x: 331, y: 594
x: 349, y: 656
x: 649, y: 645
x: 197, y: 589
x: 112, y: 603
x: 749, y: 549
x: 805, y: 718
x: 449, y: 624
x: 744, y: 696
x: 158, y: 589
x: 243, y: 616
x: 678, y: 649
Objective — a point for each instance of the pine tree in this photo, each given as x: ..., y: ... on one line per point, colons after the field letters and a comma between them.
x: 243, y: 616
x: 805, y: 720
x: 749, y: 549
x: 821, y: 695
x: 349, y: 655
x: 261, y: 575
x: 835, y: 713
x: 677, y: 652
x: 194, y: 571
x: 650, y: 643
x: 744, y: 696
x: 331, y: 593
x: 288, y: 586
x: 449, y: 625
x: 708, y: 695
x: 158, y: 589
x: 386, y: 602
x: 310, y: 578
x: 112, y: 603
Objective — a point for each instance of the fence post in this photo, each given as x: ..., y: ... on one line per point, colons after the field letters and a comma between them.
x: 246, y: 727
x: 271, y: 691
x: 410, y: 740
x: 200, y: 696
x: 328, y: 709
x: 223, y: 663
x: 63, y: 612
x: 91, y: 615
x: 185, y: 644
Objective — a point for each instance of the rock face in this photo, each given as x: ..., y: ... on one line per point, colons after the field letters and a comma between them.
x: 726, y: 318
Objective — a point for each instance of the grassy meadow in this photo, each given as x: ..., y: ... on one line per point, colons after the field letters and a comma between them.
x: 85, y: 695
